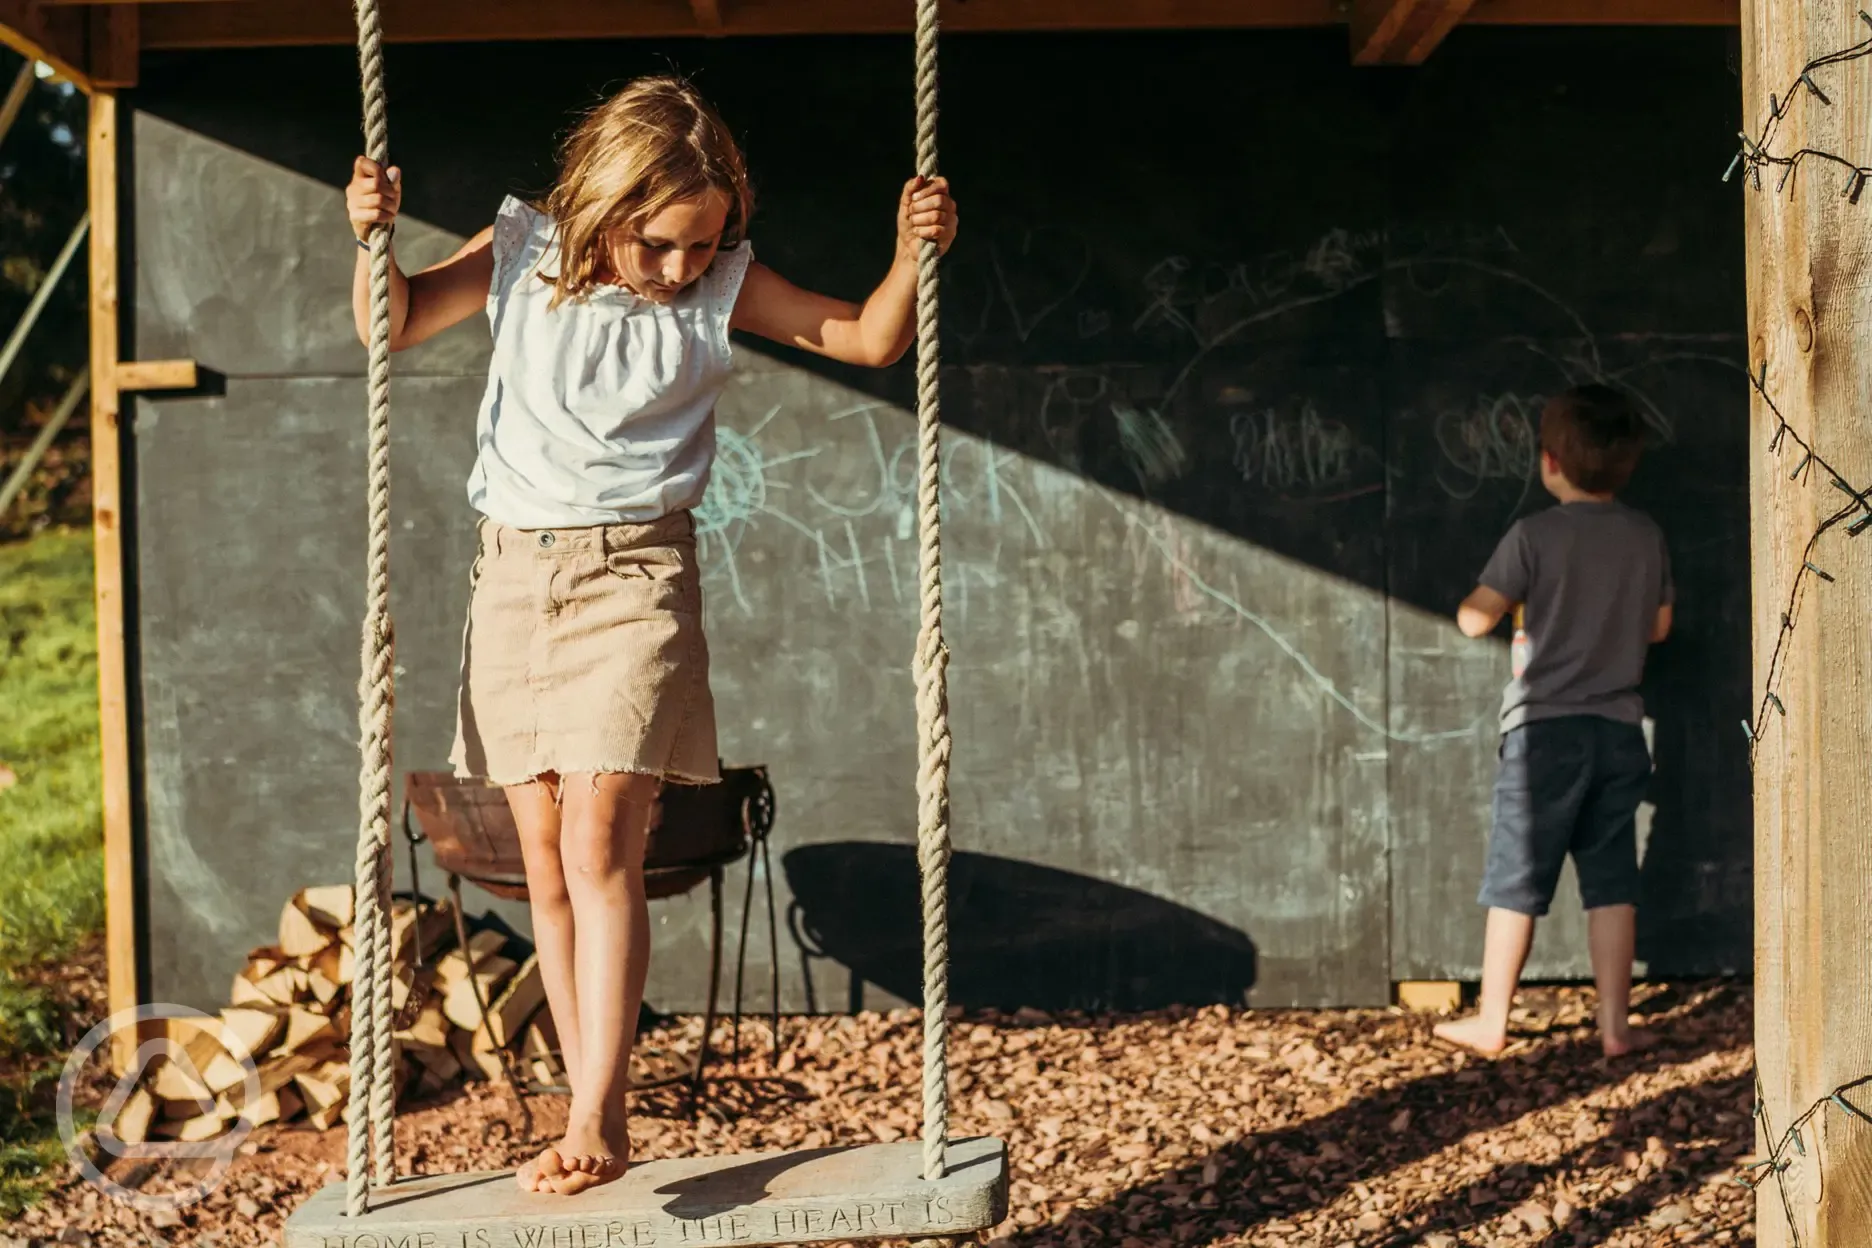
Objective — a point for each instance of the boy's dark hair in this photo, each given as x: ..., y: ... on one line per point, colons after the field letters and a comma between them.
x: 1595, y: 434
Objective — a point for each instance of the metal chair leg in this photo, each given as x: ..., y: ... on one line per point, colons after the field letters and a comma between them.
x: 747, y: 908
x: 714, y: 988
x: 773, y: 942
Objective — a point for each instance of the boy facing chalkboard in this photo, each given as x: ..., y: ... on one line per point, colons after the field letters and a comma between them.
x: 1592, y: 584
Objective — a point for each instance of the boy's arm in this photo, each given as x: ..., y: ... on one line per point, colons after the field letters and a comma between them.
x: 1481, y: 611
x: 1667, y: 594
x: 1503, y: 583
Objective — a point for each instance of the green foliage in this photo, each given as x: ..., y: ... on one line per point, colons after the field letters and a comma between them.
x: 31, y: 1152
x: 42, y: 197
x: 51, y: 833
x: 51, y: 838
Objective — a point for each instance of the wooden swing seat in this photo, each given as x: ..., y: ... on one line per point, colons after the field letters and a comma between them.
x: 874, y: 1191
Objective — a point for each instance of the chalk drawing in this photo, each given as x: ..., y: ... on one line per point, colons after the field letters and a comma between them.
x: 892, y: 490
x: 1151, y: 445
x: 1031, y: 273
x: 1298, y: 454
x: 743, y: 488
x: 1179, y: 564
x: 1071, y: 399
x: 1163, y: 287
x: 737, y: 497
x: 1460, y: 239
x: 1294, y: 447
x: 1335, y: 262
x: 1340, y: 263
x: 1078, y: 398
x: 974, y: 482
x: 1188, y: 297
x: 1185, y: 596
x: 832, y: 561
x: 1032, y: 293
x: 890, y: 568
x: 1493, y: 439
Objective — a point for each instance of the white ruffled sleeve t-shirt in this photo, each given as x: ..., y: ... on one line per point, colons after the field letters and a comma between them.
x: 601, y: 411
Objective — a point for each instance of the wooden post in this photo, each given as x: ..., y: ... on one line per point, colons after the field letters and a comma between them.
x: 107, y: 526
x: 1809, y: 284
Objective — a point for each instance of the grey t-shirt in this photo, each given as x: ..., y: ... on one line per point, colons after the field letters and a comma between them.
x: 1592, y: 577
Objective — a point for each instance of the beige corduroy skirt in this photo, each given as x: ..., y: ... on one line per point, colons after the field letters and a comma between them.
x: 584, y: 652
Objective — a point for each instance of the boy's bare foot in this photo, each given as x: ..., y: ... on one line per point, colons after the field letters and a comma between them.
x: 584, y: 1159
x: 1627, y: 1040
x: 1473, y: 1033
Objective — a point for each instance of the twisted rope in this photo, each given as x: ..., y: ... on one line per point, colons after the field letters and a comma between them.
x: 371, y: 1111
x: 384, y: 1066
x: 932, y: 656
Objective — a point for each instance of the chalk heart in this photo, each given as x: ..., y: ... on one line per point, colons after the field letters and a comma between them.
x: 1037, y: 272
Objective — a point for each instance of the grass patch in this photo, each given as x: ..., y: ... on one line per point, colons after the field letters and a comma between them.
x: 51, y: 820
x: 51, y: 830
x: 31, y: 1152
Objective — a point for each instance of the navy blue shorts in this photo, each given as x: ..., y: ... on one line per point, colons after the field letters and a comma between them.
x: 1567, y: 786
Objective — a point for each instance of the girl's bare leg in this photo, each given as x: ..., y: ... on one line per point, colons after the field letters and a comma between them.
x: 604, y: 821
x: 535, y: 808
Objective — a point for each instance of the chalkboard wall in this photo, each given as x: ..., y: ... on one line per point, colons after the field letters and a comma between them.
x: 1244, y: 349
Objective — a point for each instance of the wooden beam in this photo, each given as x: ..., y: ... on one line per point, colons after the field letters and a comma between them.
x: 16, y: 97
x: 120, y: 901
x: 1808, y: 288
x: 590, y: 19
x: 156, y: 375
x: 114, y: 47
x: 54, y: 36
x: 257, y: 23
x: 707, y: 14
x: 247, y: 23
x: 1402, y: 32
x: 1605, y: 13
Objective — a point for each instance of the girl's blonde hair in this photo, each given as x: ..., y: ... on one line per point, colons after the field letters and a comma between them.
x: 655, y: 143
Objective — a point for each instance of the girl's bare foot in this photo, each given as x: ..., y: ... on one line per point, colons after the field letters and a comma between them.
x: 584, y: 1159
x: 1626, y: 1040
x: 1475, y: 1034
x: 533, y: 1175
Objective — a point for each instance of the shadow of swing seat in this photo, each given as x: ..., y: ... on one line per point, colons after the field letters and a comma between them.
x: 864, y: 1192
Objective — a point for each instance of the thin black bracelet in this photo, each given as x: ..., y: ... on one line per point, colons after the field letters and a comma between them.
x: 364, y: 243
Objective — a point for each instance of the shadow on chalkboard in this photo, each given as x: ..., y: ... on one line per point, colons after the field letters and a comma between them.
x: 1696, y: 914
x: 1019, y: 934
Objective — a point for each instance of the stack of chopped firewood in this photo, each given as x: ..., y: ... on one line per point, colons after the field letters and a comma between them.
x: 290, y: 1009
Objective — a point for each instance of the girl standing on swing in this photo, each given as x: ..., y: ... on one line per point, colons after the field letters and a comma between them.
x: 584, y: 668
